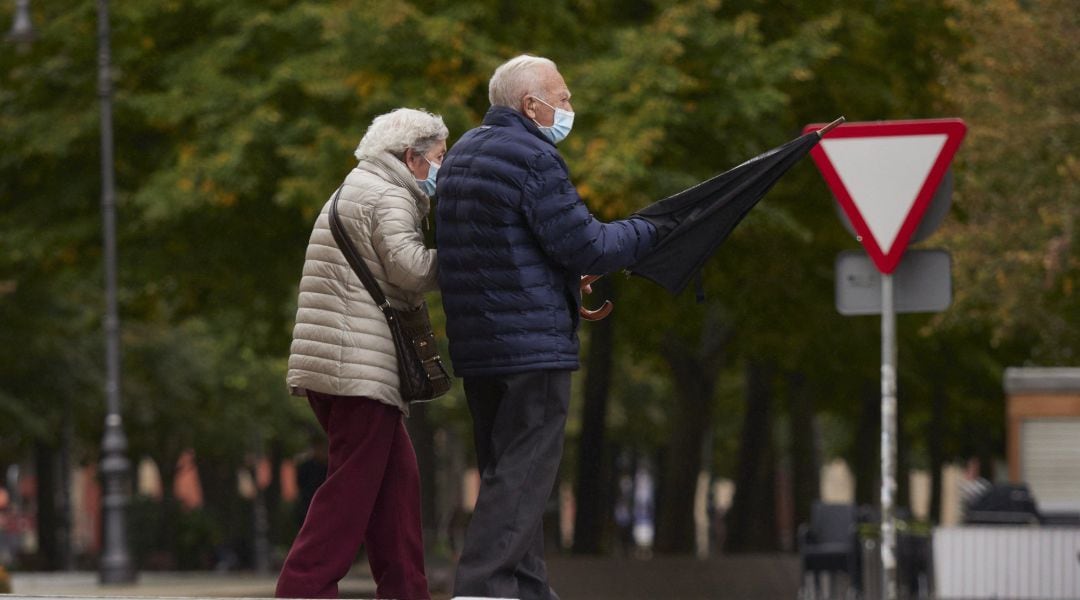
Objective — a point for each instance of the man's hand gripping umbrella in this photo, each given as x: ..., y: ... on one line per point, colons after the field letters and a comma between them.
x: 694, y: 222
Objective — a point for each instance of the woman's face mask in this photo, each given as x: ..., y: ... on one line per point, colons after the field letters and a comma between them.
x: 560, y: 128
x: 428, y: 185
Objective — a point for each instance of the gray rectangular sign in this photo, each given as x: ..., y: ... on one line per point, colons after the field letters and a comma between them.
x: 922, y: 283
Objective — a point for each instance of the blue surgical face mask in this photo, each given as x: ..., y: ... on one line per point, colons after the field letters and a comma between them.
x: 560, y: 128
x: 428, y: 185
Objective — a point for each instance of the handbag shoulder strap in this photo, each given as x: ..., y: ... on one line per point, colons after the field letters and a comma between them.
x: 355, y: 260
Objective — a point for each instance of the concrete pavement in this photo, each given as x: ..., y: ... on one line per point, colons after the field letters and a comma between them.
x: 742, y: 577
x: 157, y: 584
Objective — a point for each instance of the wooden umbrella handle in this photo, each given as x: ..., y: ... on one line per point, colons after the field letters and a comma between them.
x: 604, y: 310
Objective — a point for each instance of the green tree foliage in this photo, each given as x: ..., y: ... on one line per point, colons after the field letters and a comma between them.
x: 1017, y: 84
x: 235, y: 121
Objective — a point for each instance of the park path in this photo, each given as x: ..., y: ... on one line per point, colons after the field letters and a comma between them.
x: 742, y: 577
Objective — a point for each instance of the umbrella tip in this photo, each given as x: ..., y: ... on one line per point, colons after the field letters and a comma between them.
x: 826, y: 129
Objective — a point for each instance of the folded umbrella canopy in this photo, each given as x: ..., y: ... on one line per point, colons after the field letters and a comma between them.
x: 694, y: 222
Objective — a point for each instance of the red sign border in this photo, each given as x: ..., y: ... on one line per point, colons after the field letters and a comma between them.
x: 954, y: 131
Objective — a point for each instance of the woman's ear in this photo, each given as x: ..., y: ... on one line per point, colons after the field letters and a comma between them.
x: 415, y: 163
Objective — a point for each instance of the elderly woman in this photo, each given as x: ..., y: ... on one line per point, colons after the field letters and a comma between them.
x: 343, y: 361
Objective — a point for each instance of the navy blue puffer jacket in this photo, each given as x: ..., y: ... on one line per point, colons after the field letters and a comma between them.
x: 514, y: 238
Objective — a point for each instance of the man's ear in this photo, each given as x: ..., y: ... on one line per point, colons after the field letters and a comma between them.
x: 528, y: 107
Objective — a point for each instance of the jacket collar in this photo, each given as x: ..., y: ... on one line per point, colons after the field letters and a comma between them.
x: 393, y: 171
x: 502, y: 116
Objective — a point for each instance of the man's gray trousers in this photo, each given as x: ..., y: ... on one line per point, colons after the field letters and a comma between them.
x: 518, y: 428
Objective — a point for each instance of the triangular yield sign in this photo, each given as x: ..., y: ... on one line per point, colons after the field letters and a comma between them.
x: 884, y: 175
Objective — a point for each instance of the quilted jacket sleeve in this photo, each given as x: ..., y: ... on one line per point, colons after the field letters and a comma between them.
x: 566, y: 230
x: 397, y: 241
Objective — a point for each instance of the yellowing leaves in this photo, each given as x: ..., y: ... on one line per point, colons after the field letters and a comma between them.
x: 366, y: 84
x: 1015, y: 86
x: 186, y: 153
x: 216, y: 195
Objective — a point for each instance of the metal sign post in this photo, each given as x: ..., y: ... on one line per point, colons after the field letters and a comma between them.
x: 884, y: 176
x: 888, y: 439
x: 921, y: 283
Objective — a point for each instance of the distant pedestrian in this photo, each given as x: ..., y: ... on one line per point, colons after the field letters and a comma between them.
x: 644, y: 527
x: 624, y: 513
x: 514, y: 240
x: 344, y: 360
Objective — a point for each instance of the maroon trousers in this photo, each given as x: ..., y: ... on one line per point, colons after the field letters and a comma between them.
x: 371, y: 496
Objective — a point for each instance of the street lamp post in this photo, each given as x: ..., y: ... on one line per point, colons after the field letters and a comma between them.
x: 115, y: 565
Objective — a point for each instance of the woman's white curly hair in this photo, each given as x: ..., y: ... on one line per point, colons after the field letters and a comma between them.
x: 400, y: 129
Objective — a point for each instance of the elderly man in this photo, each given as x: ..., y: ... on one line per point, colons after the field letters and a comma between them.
x: 514, y: 240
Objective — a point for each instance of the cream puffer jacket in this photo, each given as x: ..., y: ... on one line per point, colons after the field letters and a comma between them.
x: 341, y: 343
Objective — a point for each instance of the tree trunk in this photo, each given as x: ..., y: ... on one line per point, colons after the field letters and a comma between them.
x: 170, y: 507
x: 423, y: 439
x: 260, y: 531
x: 805, y: 459
x: 229, y: 512
x: 66, y: 520
x: 273, y: 491
x: 751, y: 522
x: 865, y: 454
x: 694, y: 373
x: 675, y: 522
x: 937, y: 449
x: 47, y: 517
x: 591, y: 490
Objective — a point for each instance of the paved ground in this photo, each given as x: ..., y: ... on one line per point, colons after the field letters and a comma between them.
x: 762, y: 577
x: 149, y: 584
x: 753, y: 577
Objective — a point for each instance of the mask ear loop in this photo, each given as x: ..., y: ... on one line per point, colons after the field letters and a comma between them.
x: 553, y: 110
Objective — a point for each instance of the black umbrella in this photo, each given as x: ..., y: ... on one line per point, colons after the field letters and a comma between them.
x: 694, y: 222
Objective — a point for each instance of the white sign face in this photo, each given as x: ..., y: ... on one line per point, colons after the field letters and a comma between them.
x: 884, y: 176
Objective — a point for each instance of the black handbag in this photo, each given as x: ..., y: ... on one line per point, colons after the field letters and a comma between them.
x: 420, y: 368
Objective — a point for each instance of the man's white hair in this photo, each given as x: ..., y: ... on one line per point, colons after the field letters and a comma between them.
x: 516, y: 78
x: 399, y: 130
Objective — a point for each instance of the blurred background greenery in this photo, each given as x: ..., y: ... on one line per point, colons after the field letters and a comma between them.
x: 235, y: 120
